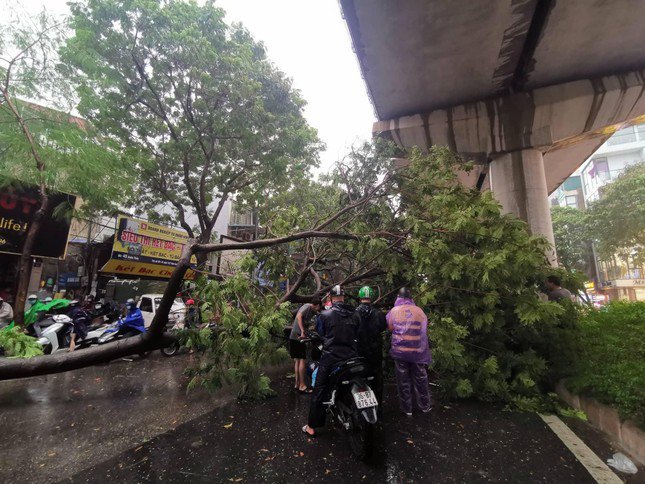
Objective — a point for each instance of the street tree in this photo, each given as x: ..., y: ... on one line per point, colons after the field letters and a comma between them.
x: 195, y: 100
x: 572, y: 237
x: 41, y: 143
x: 617, y: 219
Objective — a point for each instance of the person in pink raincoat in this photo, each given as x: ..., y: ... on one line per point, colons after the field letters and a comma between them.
x: 410, y: 352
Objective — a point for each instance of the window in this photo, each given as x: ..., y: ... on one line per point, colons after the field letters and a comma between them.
x: 621, y: 136
x: 146, y: 304
x: 572, y: 201
x: 599, y: 170
x: 640, y: 128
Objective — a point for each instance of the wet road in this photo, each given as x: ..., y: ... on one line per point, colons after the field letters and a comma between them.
x: 133, y: 422
x: 53, y: 426
x: 262, y: 442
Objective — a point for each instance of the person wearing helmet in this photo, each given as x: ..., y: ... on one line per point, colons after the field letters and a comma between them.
x: 370, y: 337
x: 133, y: 316
x: 338, y: 329
x: 193, y: 315
x: 31, y: 300
x: 80, y: 321
x: 6, y: 313
x: 410, y: 352
x: 48, y: 299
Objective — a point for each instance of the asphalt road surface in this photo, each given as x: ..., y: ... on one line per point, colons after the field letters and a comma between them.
x: 133, y: 422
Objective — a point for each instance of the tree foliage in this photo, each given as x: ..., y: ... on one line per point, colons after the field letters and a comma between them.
x: 15, y: 343
x: 572, y: 237
x: 237, y: 353
x: 617, y: 219
x: 42, y: 144
x: 194, y: 100
x: 476, y: 271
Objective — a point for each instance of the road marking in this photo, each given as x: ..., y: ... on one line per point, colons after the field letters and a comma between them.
x: 594, y: 464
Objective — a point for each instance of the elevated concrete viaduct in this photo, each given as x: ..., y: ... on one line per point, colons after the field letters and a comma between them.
x: 528, y: 89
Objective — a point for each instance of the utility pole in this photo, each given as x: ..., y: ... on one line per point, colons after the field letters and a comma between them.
x: 88, y: 259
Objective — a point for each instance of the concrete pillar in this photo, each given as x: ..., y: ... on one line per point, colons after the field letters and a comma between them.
x: 518, y: 182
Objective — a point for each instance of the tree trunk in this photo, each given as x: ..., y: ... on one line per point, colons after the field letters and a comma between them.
x: 12, y: 368
x: 202, y: 257
x: 24, y: 268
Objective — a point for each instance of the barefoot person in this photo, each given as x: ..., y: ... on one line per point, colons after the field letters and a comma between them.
x: 298, y: 349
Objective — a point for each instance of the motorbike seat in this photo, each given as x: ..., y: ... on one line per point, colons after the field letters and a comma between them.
x: 349, y: 369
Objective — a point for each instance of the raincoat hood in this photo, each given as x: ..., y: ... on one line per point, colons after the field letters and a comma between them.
x: 365, y: 310
x: 402, y: 301
x: 343, y: 309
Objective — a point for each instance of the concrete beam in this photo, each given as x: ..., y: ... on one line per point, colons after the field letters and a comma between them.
x: 547, y: 119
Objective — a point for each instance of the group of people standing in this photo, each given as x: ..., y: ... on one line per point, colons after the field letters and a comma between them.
x: 347, y: 331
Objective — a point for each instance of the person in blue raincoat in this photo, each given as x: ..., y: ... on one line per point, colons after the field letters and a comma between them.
x: 133, y: 318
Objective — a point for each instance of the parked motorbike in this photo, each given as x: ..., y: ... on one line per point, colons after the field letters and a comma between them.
x: 173, y: 348
x: 101, y: 316
x: 119, y: 329
x: 352, y: 403
x: 53, y: 332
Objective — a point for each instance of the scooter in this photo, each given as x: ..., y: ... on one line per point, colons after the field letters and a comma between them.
x: 173, y: 348
x: 352, y: 403
x: 53, y: 332
x: 119, y: 329
x: 101, y: 316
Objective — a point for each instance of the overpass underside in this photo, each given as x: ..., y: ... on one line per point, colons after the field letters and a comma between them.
x: 527, y: 89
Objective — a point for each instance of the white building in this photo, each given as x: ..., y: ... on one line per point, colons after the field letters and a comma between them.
x: 626, y: 147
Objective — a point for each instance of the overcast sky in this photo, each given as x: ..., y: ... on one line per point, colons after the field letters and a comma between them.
x: 308, y: 40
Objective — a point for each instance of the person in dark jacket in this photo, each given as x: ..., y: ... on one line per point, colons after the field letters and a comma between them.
x: 80, y: 321
x: 338, y: 329
x: 370, y: 337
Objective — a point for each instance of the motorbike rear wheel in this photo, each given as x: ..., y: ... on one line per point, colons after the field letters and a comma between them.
x: 361, y: 436
x: 170, y: 350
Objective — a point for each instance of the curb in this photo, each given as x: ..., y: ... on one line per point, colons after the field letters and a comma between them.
x: 626, y: 434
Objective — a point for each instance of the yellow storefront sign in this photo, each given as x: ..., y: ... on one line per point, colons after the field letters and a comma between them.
x: 142, y: 269
x: 145, y: 249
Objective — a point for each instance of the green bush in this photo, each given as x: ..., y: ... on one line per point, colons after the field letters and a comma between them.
x: 612, y: 369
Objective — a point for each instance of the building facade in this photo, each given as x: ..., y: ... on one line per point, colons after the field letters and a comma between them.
x: 620, y: 277
x: 569, y: 194
x: 626, y: 147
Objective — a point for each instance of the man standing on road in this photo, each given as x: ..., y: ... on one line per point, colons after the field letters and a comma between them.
x: 338, y: 329
x: 555, y: 291
x: 410, y: 352
x: 298, y: 349
x: 193, y: 318
x: 370, y: 338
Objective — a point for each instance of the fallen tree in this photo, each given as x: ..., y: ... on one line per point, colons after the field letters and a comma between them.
x: 156, y: 337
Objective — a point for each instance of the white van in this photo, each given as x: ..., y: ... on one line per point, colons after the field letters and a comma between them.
x: 148, y: 304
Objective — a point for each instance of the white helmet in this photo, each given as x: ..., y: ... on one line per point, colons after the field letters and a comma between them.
x: 48, y: 299
x: 32, y: 297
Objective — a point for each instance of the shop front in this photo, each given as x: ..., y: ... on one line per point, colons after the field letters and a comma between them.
x: 18, y: 205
